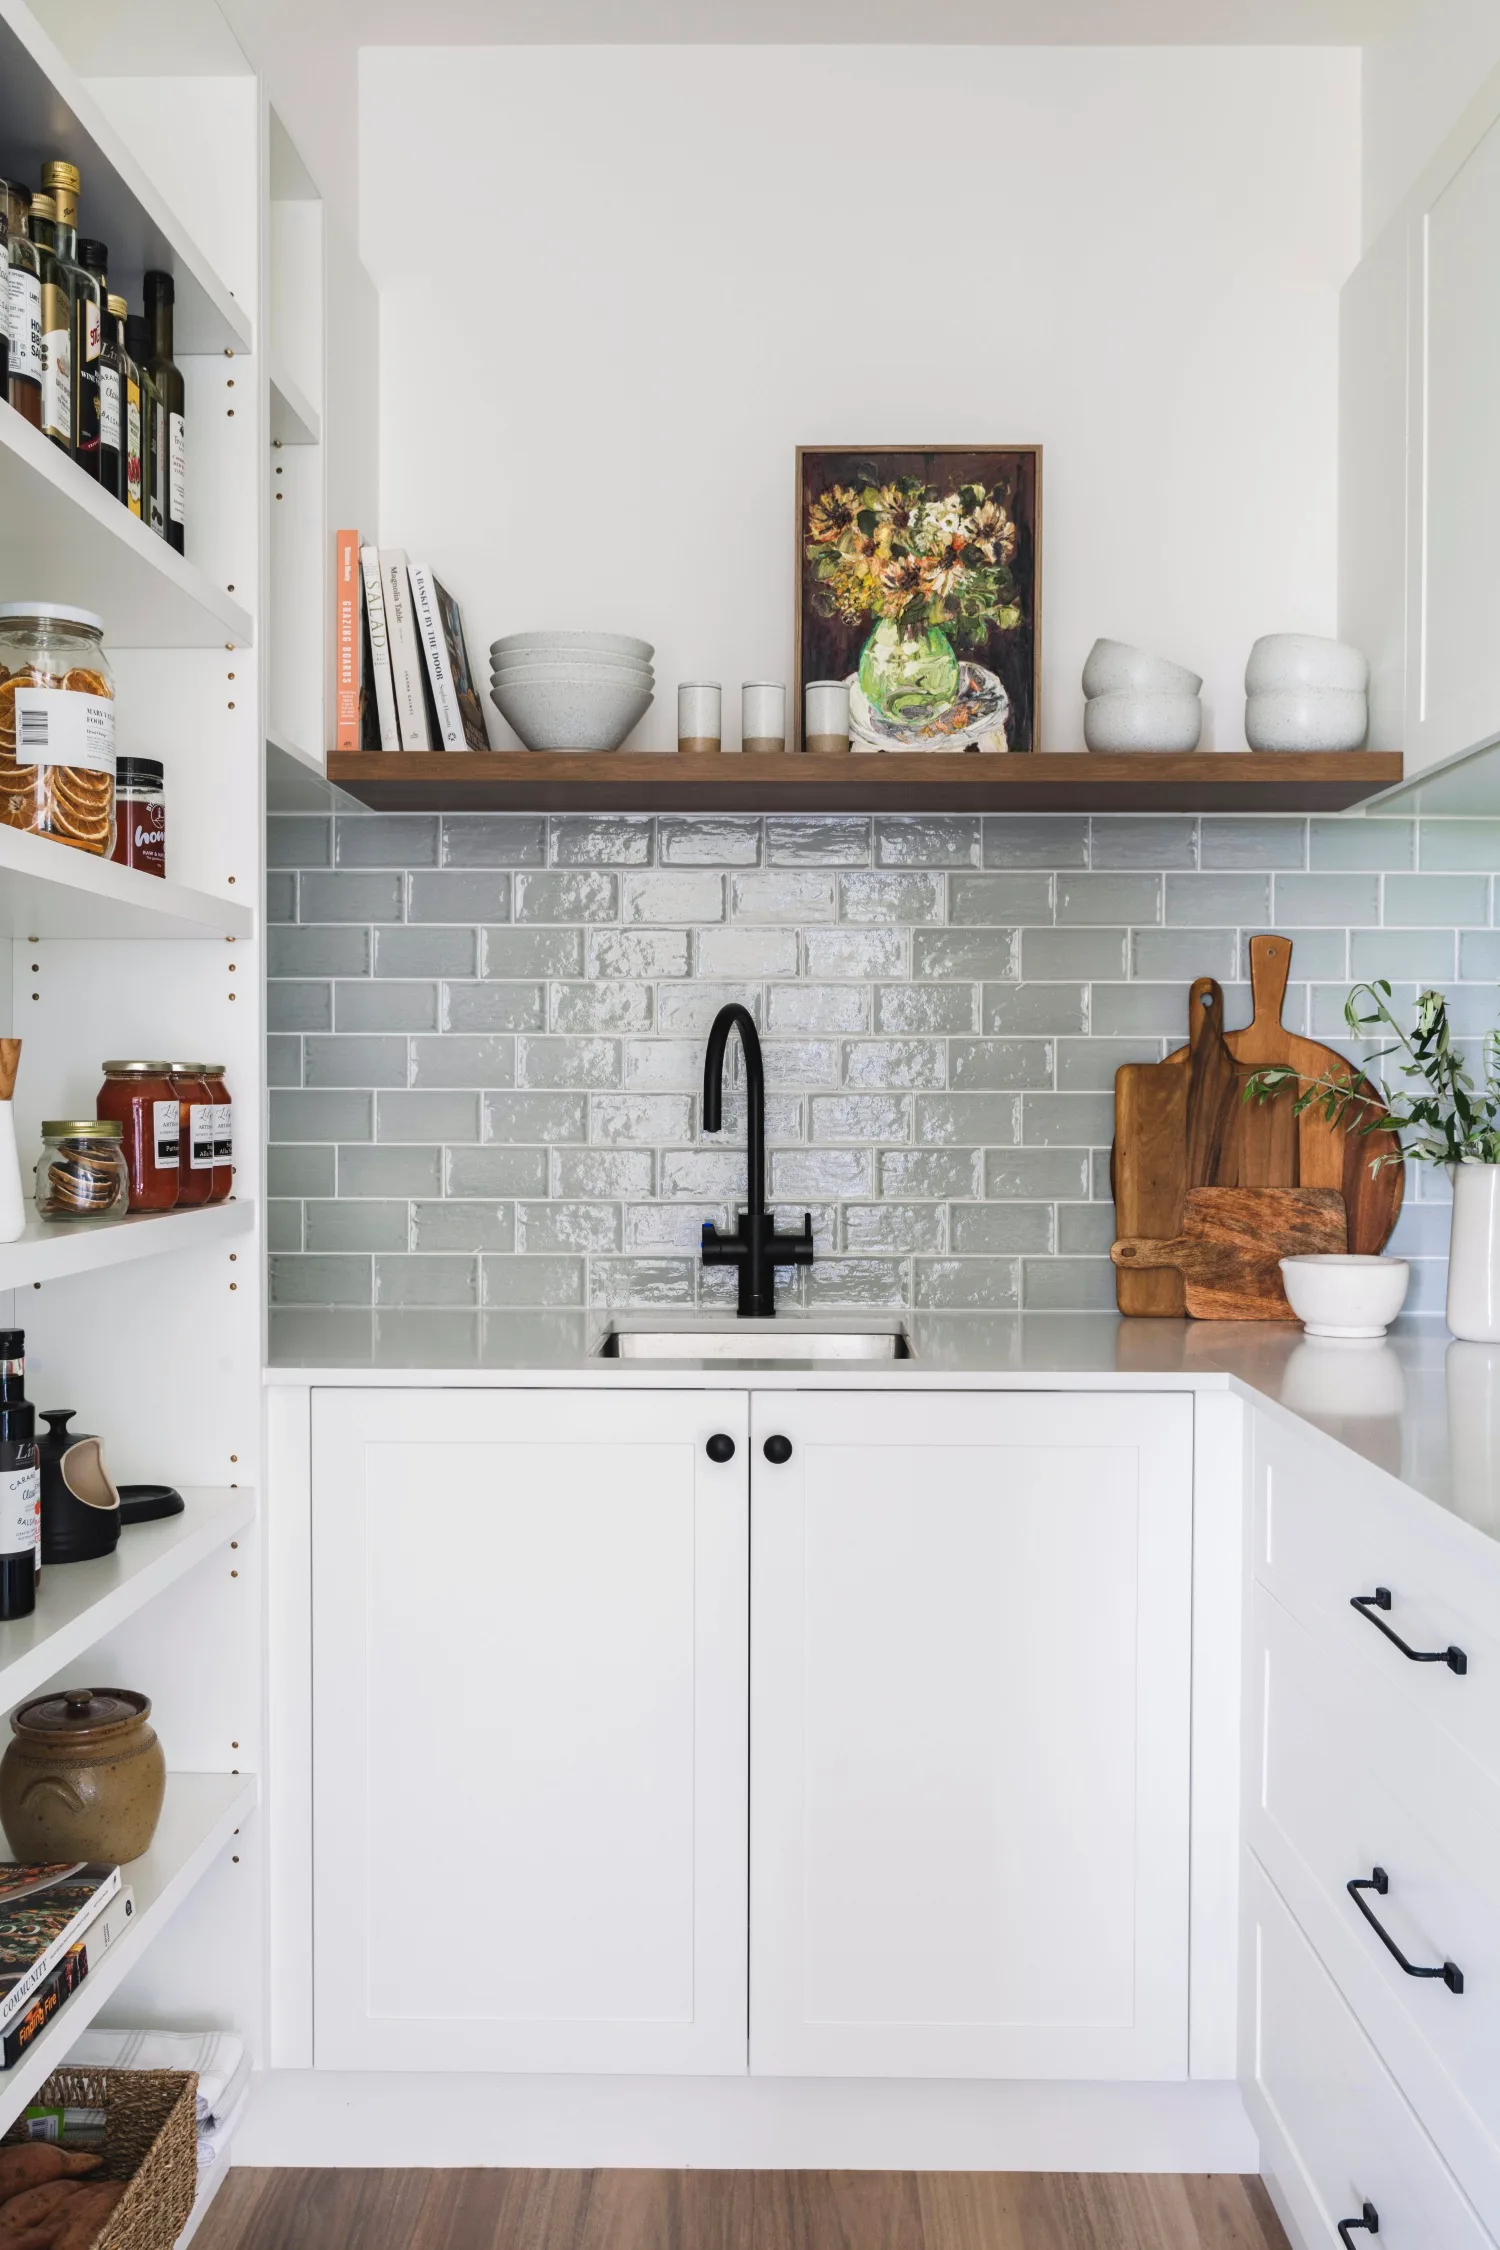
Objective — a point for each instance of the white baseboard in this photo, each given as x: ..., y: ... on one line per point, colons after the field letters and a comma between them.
x: 387, y: 2118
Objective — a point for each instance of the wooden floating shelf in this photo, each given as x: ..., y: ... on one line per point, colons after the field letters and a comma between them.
x: 66, y: 539
x: 621, y: 781
x: 48, y: 890
x: 201, y: 1814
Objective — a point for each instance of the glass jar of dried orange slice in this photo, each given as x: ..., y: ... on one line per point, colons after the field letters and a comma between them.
x: 57, y: 725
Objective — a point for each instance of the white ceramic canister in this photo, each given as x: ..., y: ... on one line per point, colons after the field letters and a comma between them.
x: 1474, y: 1254
x: 762, y: 716
x: 14, y: 1208
x: 826, y: 717
x: 700, y: 715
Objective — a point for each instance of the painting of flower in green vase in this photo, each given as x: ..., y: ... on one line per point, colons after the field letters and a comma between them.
x: 918, y: 582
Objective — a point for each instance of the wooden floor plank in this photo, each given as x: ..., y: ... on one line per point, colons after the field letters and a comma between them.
x: 812, y: 2210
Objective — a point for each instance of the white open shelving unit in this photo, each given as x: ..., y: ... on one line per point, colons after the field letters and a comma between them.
x: 152, y: 1326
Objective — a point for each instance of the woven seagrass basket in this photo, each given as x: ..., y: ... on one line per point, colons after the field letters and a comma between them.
x: 150, y: 2139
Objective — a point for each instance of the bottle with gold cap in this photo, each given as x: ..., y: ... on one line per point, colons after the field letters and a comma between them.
x: 24, y: 298
x: 138, y: 346
x: 61, y: 181
x: 57, y: 325
x: 114, y: 459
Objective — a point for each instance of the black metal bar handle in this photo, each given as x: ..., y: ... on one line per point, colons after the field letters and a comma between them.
x: 1367, y: 1604
x: 1379, y: 1882
x: 1369, y: 2219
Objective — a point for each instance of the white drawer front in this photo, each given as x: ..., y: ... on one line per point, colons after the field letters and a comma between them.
x: 1327, y: 1529
x: 1335, y: 2131
x: 1353, y: 1779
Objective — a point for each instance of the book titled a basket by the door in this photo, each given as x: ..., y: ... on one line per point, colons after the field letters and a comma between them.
x: 43, y: 1911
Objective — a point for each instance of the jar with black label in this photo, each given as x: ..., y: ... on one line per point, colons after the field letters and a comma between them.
x: 141, y: 1097
x: 195, y: 1155
x: 140, y: 815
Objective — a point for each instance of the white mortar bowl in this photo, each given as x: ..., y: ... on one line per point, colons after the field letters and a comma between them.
x: 1130, y: 720
x: 1344, y: 1295
x: 1305, y: 660
x: 1307, y: 719
x: 593, y: 714
x: 579, y: 675
x: 605, y: 648
x: 1114, y: 666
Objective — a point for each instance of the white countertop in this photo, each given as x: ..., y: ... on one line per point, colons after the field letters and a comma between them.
x: 1419, y: 1406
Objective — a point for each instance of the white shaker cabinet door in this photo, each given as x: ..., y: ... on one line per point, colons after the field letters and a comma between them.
x: 970, y: 1644
x: 530, y: 1685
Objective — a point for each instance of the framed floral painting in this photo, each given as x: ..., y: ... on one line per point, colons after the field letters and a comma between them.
x: 919, y: 582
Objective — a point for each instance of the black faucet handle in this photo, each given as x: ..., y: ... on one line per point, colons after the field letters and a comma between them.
x: 794, y: 1249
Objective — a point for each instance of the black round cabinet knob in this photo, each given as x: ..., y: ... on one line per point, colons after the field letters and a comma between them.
x: 720, y: 1447
x: 778, y: 1449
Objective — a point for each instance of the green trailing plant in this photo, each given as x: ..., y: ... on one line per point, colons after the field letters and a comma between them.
x: 1440, y: 1116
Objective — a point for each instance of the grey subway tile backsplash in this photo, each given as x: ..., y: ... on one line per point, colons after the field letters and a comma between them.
x: 486, y: 1043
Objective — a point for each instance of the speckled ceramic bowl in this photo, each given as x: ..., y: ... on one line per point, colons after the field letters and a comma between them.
x: 1307, y: 719
x: 571, y: 714
x: 603, y: 648
x: 1114, y: 667
x: 1132, y: 720
x: 1304, y: 660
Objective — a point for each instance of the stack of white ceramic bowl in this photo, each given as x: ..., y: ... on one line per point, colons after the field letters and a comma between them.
x: 1139, y: 702
x: 1306, y: 693
x: 571, y: 691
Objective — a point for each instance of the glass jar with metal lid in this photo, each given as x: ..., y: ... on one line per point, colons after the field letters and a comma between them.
x: 195, y: 1156
x: 81, y: 1173
x: 57, y: 725
x: 141, y: 1097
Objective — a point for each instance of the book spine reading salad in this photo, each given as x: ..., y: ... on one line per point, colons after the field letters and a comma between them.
x: 406, y: 656
x: 380, y: 655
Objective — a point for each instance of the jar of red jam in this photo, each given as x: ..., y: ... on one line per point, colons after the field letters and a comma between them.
x: 213, y: 1078
x: 144, y: 1101
x: 140, y: 815
x: 195, y: 1154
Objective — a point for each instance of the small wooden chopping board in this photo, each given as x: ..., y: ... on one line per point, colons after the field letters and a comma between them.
x: 1229, y: 1245
x: 1174, y: 1129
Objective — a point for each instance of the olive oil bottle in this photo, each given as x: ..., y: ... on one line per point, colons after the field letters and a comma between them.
x: 56, y: 294
x: 24, y: 299
x: 61, y: 182
x: 170, y: 452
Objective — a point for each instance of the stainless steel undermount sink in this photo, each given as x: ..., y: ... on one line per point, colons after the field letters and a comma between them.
x: 756, y: 1341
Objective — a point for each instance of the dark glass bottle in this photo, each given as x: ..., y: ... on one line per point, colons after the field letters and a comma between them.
x: 114, y: 404
x: 94, y: 258
x: 61, y: 182
x: 138, y: 346
x: 24, y: 296
x: 20, y: 1482
x: 57, y: 326
x: 167, y: 376
x: 5, y: 308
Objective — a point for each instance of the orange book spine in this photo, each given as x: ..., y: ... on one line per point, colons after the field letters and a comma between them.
x: 346, y: 641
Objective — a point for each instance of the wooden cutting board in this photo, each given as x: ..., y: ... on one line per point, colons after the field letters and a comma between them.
x: 1229, y: 1245
x: 1175, y: 1129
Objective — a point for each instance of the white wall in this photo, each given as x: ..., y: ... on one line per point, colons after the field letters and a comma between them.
x: 1417, y: 83
x: 620, y: 285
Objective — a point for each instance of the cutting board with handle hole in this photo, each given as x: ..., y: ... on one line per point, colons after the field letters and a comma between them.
x: 1231, y: 1239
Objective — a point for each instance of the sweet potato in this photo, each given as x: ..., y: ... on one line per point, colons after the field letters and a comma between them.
x: 34, y: 2206
x: 86, y: 2215
x: 35, y: 2238
x: 29, y: 2164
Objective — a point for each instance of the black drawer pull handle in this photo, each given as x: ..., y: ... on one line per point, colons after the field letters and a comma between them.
x: 777, y: 1449
x: 720, y: 1446
x: 1367, y: 1604
x: 1379, y: 1882
x: 1369, y: 2219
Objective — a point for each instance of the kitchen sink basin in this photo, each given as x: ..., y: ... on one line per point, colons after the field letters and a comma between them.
x: 756, y: 1341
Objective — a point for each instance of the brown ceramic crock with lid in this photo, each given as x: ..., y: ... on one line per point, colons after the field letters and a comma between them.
x: 84, y: 1776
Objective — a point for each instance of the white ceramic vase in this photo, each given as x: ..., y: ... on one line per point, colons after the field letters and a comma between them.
x: 1474, y: 1254
x: 13, y: 1210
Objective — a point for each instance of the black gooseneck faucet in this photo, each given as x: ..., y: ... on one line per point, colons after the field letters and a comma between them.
x: 756, y: 1248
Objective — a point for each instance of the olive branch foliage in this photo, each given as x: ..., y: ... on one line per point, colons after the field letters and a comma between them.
x: 1441, y: 1116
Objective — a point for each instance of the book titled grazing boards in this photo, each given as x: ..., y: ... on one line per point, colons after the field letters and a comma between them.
x: 43, y: 1911
x: 440, y: 629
